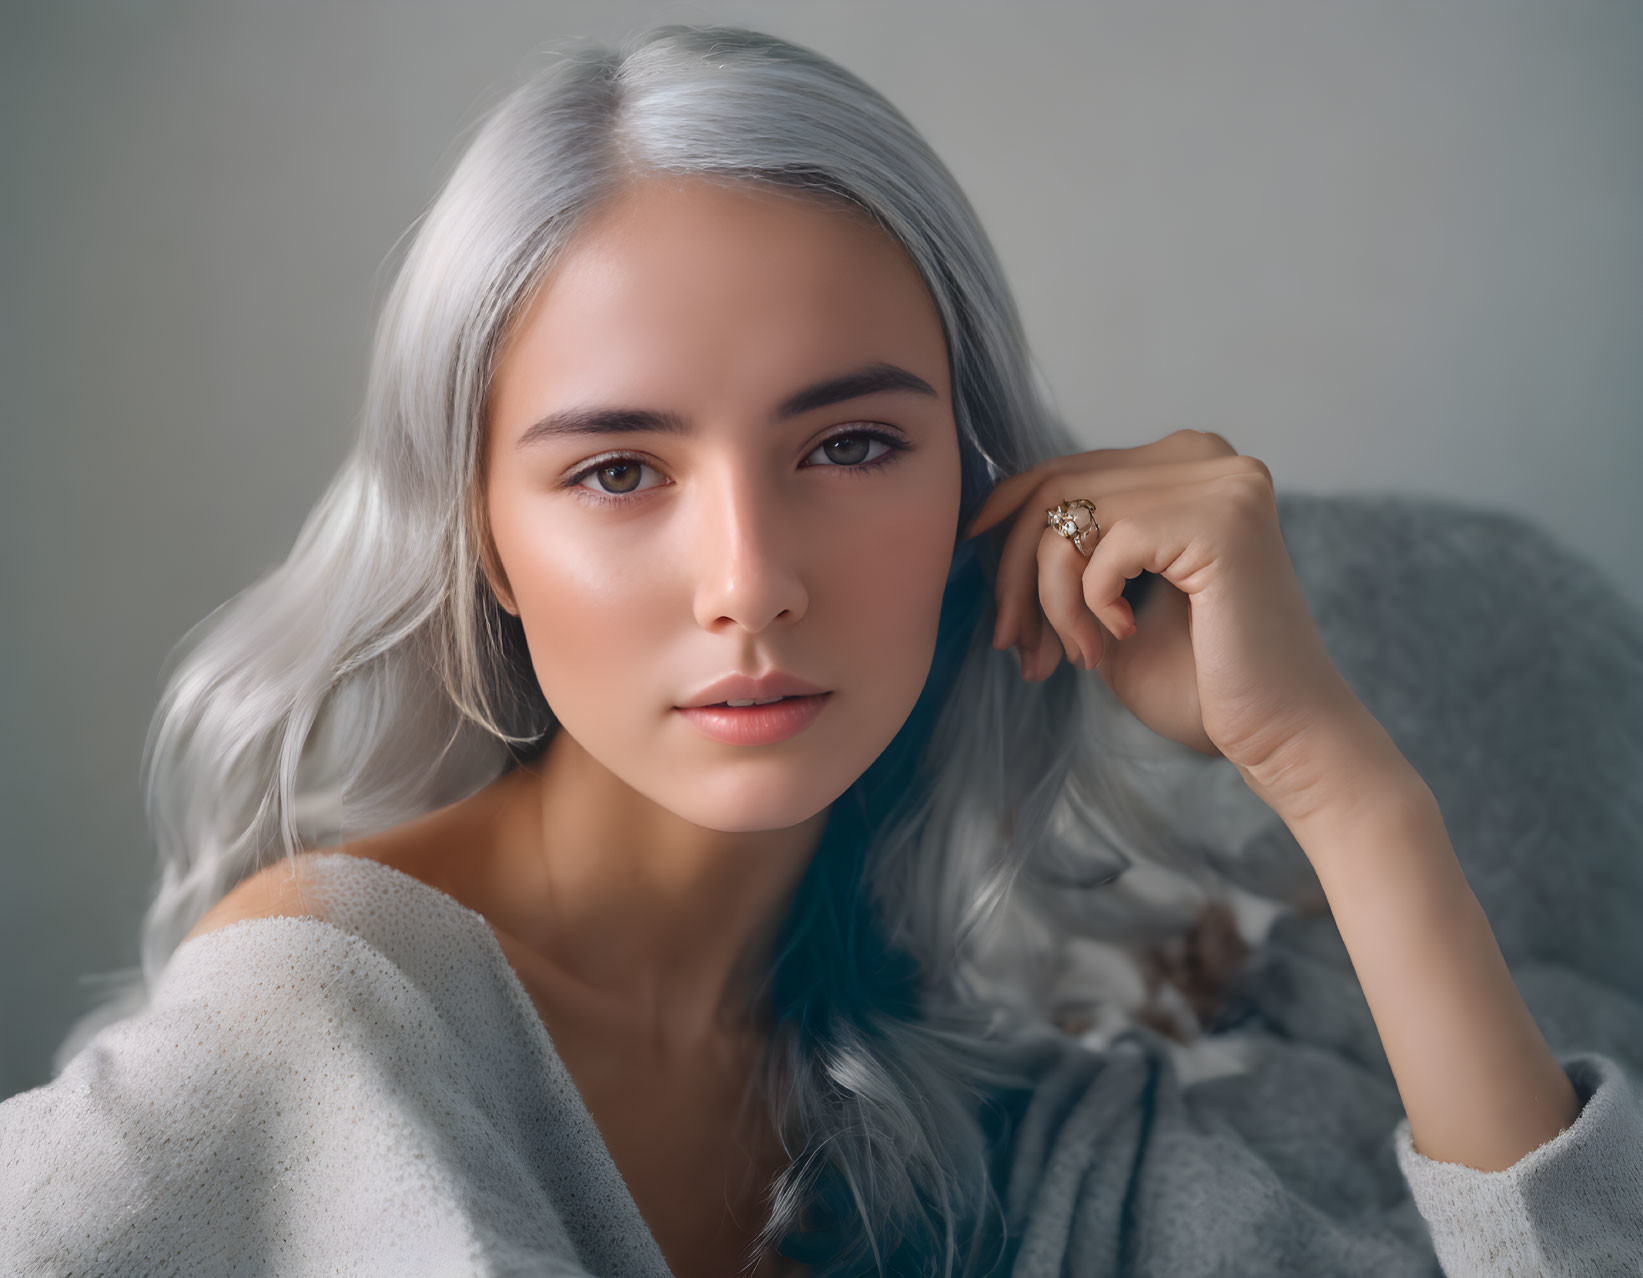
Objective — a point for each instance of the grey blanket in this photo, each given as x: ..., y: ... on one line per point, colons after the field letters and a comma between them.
x: 1511, y: 675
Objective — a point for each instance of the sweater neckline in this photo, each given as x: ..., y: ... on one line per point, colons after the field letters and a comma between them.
x: 476, y: 922
x: 792, y: 1247
x: 535, y: 1028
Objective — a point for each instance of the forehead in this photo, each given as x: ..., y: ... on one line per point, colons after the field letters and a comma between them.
x: 720, y: 283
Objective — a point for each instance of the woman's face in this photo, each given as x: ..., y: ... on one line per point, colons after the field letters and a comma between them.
x: 710, y: 523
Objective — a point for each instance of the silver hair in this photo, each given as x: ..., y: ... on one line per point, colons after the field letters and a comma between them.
x: 372, y: 677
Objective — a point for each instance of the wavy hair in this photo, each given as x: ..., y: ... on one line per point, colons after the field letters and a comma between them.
x: 372, y: 676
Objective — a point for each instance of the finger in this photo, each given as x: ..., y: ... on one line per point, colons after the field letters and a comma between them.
x: 1145, y: 530
x: 1033, y: 626
x: 1016, y: 584
x: 1158, y: 475
x: 1029, y: 650
x: 1045, y: 657
x: 1015, y: 588
x: 1033, y: 647
x: 1009, y: 493
x: 1060, y: 588
x: 1149, y: 539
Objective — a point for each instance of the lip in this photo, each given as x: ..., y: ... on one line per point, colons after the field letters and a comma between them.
x: 739, y: 687
x: 756, y: 725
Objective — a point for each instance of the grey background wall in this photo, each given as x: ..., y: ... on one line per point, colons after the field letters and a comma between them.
x: 1387, y: 246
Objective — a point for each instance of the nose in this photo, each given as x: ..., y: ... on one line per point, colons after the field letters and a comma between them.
x: 746, y: 545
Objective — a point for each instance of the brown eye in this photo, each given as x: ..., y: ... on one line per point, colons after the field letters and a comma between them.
x: 627, y: 477
x: 610, y: 480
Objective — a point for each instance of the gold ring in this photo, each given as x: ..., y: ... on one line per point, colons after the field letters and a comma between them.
x: 1065, y: 516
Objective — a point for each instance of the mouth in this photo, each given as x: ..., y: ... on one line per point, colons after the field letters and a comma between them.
x: 756, y: 723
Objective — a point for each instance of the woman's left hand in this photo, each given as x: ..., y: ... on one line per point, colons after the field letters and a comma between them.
x: 1224, y: 656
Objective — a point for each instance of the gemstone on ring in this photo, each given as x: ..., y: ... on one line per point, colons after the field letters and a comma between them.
x: 1073, y: 519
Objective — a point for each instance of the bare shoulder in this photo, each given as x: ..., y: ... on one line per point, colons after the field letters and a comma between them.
x: 421, y: 848
x: 285, y: 889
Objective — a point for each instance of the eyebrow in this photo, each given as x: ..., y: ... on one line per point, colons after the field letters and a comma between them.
x: 870, y: 379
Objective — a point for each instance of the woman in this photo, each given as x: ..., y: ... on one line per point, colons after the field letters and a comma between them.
x: 500, y: 933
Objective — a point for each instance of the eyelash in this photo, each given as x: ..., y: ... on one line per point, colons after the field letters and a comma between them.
x: 896, y: 446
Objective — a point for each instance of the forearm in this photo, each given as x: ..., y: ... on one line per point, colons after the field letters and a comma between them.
x: 1478, y: 1081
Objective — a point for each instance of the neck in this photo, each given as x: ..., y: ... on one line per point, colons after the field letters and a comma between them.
x: 672, y: 923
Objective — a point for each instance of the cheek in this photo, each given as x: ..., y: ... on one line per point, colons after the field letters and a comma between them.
x: 885, y: 577
x: 586, y: 607
x: 886, y: 580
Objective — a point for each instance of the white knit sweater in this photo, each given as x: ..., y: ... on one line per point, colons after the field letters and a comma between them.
x: 369, y: 1090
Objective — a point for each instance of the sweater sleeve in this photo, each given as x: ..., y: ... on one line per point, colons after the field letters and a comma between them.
x: 1574, y: 1206
x: 246, y: 1117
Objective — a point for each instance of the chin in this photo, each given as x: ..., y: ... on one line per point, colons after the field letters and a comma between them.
x: 779, y: 799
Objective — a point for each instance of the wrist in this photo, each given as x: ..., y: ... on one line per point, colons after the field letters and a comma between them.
x: 1342, y: 773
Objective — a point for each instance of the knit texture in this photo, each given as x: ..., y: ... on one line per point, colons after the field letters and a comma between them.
x: 1517, y: 1222
x: 369, y: 1090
